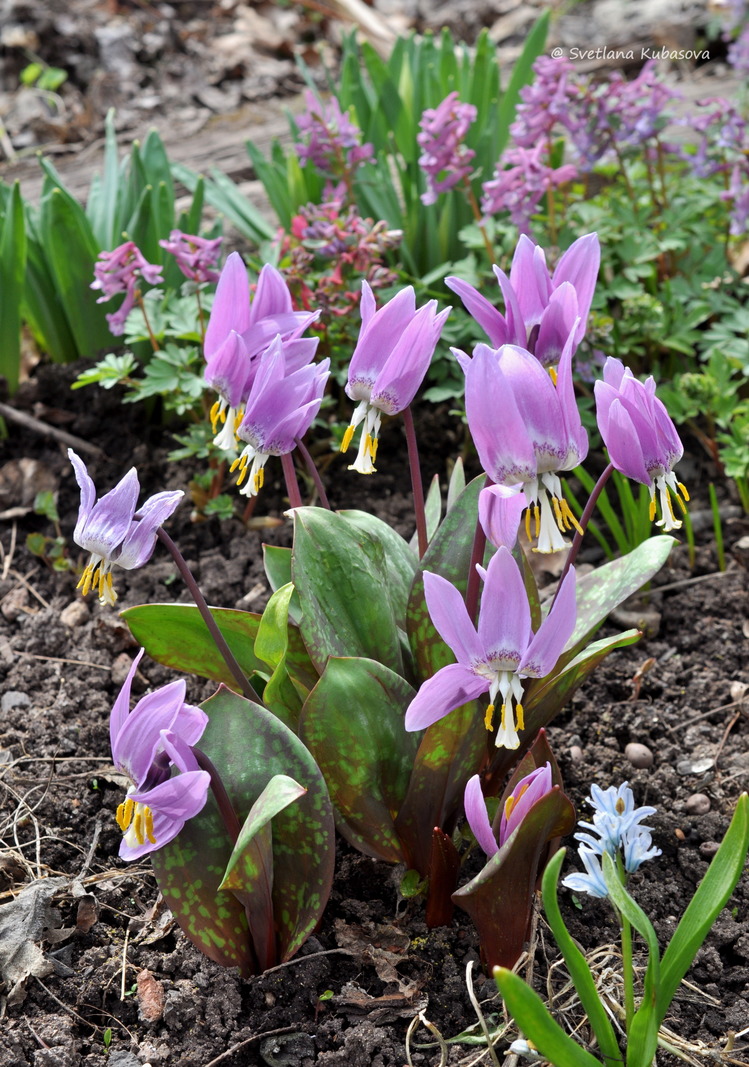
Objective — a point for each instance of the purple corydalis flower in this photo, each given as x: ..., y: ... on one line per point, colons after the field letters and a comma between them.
x: 496, y: 657
x: 395, y: 346
x: 333, y: 141
x: 148, y: 744
x: 540, y: 307
x: 117, y: 272
x: 196, y: 256
x: 114, y: 529
x: 280, y: 408
x: 641, y: 439
x: 526, y: 429
x: 445, y: 159
x: 521, y: 179
x: 240, y: 329
x: 527, y: 792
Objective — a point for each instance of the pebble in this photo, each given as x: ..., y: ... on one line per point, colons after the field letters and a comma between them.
x: 75, y: 614
x: 708, y: 849
x: 638, y: 755
x: 14, y: 699
x: 576, y: 753
x: 697, y: 766
x: 697, y: 804
x: 121, y: 668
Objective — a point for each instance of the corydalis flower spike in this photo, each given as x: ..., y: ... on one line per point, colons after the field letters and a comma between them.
x: 113, y: 530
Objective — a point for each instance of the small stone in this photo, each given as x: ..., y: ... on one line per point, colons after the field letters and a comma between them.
x: 708, y: 849
x: 14, y: 699
x: 697, y: 804
x: 638, y: 755
x: 75, y: 614
x: 576, y: 753
x: 121, y: 668
x: 738, y: 691
x: 696, y: 766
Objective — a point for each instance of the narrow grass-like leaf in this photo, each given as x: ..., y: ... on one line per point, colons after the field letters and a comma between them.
x: 13, y: 246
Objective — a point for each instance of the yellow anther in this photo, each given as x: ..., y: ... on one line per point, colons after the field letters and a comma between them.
x: 681, y: 504
x: 138, y: 822
x: 489, y: 717
x: 347, y: 438
x: 258, y: 479
x: 512, y: 800
x: 683, y: 490
x: 503, y: 719
x: 373, y: 446
x: 528, y: 523
x: 520, y: 725
x: 242, y: 473
x: 652, y: 509
x: 87, y: 579
x: 537, y: 518
x: 238, y: 418
x: 125, y: 814
x: 215, y: 413
x: 571, y: 520
x: 149, y: 825
x: 553, y: 374
x: 558, y: 513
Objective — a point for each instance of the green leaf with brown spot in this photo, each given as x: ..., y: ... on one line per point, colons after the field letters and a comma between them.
x: 249, y: 746
x: 353, y: 575
x: 175, y: 635
x: 352, y: 723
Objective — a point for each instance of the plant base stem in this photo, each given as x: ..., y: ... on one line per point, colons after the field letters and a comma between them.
x: 417, y: 487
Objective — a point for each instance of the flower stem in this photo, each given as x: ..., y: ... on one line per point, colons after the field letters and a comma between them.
x: 627, y: 967
x: 477, y: 556
x: 208, y: 618
x: 225, y: 806
x: 417, y: 487
x: 473, y: 204
x: 292, y: 485
x: 577, y: 540
x: 313, y: 471
x: 142, y: 306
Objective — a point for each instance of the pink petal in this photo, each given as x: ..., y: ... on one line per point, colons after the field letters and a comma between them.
x: 553, y: 633
x: 450, y: 688
x: 478, y: 817
x: 505, y: 615
x: 448, y: 612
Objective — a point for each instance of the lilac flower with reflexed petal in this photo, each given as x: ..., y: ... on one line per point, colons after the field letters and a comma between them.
x: 540, y: 307
x: 396, y: 344
x: 196, y: 257
x: 445, y: 159
x: 118, y: 272
x: 496, y: 657
x: 281, y: 406
x: 114, y: 530
x: 526, y: 429
x: 527, y: 792
x: 148, y: 744
x: 240, y: 329
x: 641, y: 439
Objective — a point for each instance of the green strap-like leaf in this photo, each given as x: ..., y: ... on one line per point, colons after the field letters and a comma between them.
x: 578, y: 967
x: 13, y: 247
x: 712, y: 894
x: 533, y: 1018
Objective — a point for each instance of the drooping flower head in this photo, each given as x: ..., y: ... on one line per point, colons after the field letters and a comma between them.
x: 118, y: 272
x: 641, y: 439
x: 282, y: 403
x: 240, y: 329
x: 391, y: 357
x: 149, y: 744
x: 526, y: 793
x: 196, y: 257
x: 617, y: 825
x: 496, y: 657
x: 526, y: 429
x: 540, y: 307
x: 114, y: 529
x: 445, y: 159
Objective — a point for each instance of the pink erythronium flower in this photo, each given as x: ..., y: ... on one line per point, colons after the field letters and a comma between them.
x: 281, y: 406
x: 641, y: 439
x: 114, y: 530
x: 196, y: 256
x: 526, y: 429
x: 540, y: 307
x: 496, y: 657
x: 148, y: 744
x: 500, y: 512
x: 526, y: 793
x: 445, y: 159
x: 117, y: 272
x: 240, y: 329
x: 391, y: 357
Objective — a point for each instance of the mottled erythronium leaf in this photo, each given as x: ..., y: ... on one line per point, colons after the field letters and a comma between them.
x: 352, y: 573
x: 279, y: 645
x: 449, y: 555
x: 352, y: 723
x: 277, y: 563
x: 432, y: 512
x: 606, y: 587
x: 500, y: 897
x: 444, y: 866
x: 249, y: 872
x: 449, y: 753
x: 175, y: 635
x: 250, y: 745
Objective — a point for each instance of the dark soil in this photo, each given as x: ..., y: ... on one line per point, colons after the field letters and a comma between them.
x: 98, y: 924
